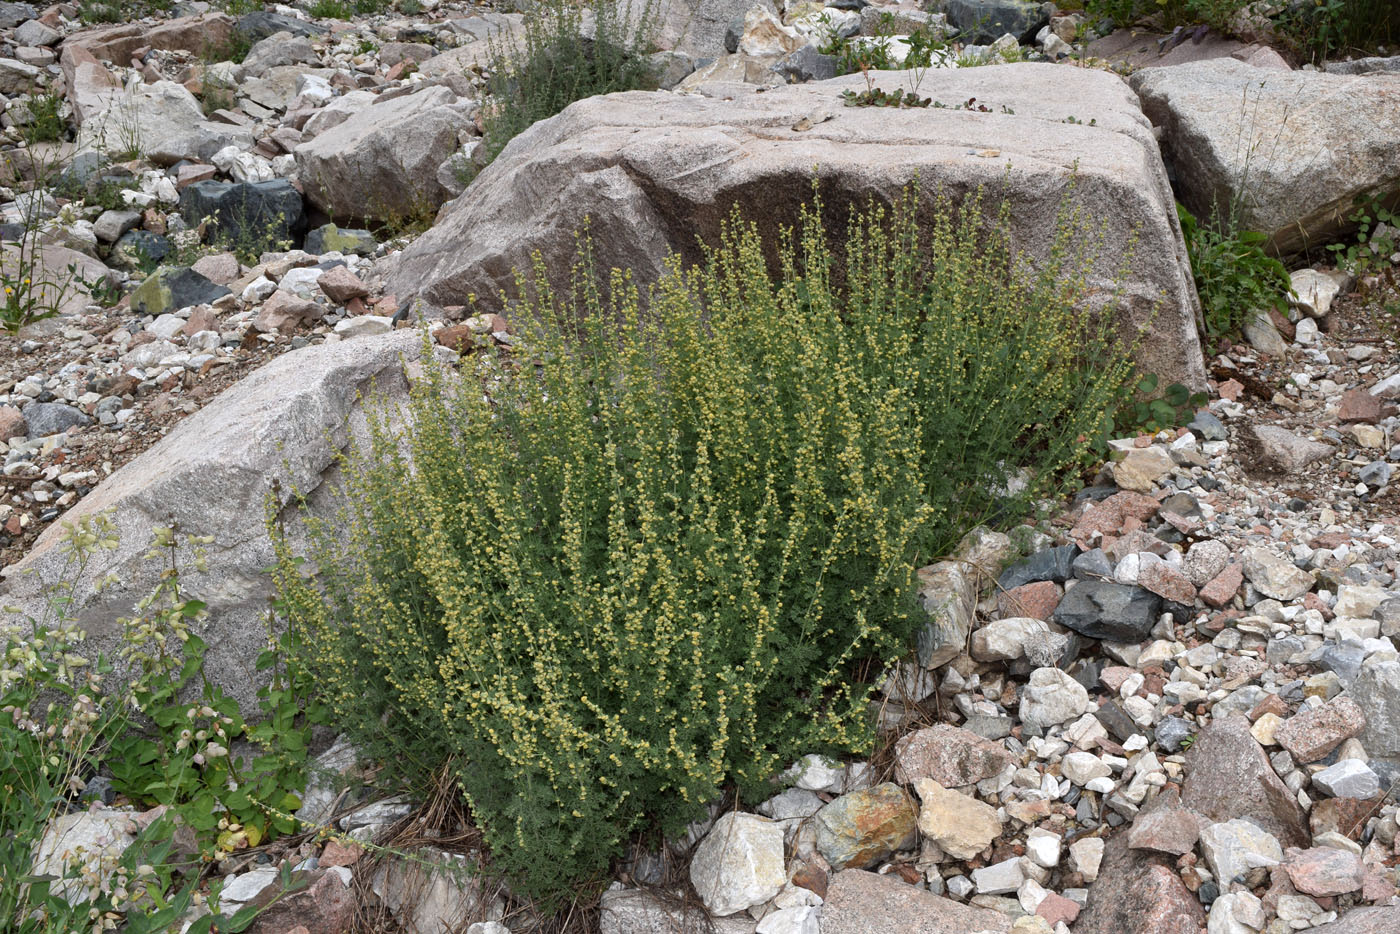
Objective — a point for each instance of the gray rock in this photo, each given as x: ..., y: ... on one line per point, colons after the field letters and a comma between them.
x: 616, y: 159
x: 1349, y: 778
x: 112, y: 224
x: 806, y: 64
x: 989, y: 727
x: 1049, y: 564
x: 162, y: 121
x: 383, y: 160
x: 1052, y: 697
x: 985, y: 21
x: 1234, y: 847
x: 36, y: 35
x: 51, y: 418
x: 138, y: 250
x: 700, y: 28
x: 948, y: 592
x: 1263, y: 336
x: 246, y: 213
x: 1207, y: 426
x: 1375, y: 474
x: 1363, y: 921
x: 1170, y: 731
x: 1274, y: 575
x: 1365, y: 66
x: 670, y: 68
x: 12, y: 14
x: 16, y: 77
x: 1377, y: 692
x: 790, y: 804
x: 1108, y: 610
x: 1278, y: 450
x: 1093, y: 565
x: 210, y: 474
x: 280, y: 48
x: 1241, y: 135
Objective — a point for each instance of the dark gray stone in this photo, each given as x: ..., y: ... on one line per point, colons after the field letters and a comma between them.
x: 1116, y: 720
x: 138, y: 249
x: 247, y: 212
x: 806, y: 64
x: 80, y: 171
x: 1050, y: 564
x: 1182, y: 504
x: 985, y: 21
x: 99, y: 788
x: 1374, y: 474
x: 1345, y: 660
x: 1207, y: 426
x: 1171, y: 731
x: 171, y: 289
x: 733, y: 33
x: 1108, y: 610
x: 51, y: 418
x: 261, y: 24
x: 329, y: 238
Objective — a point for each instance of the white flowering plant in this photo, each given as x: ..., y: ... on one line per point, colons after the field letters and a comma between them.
x: 66, y: 718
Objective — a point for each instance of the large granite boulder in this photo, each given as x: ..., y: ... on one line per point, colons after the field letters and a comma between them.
x: 1138, y: 892
x: 162, y: 121
x: 653, y: 172
x: 116, y: 44
x: 984, y: 21
x: 1290, y: 149
x: 479, y: 35
x: 859, y: 902
x: 279, y: 429
x: 697, y: 27
x: 383, y: 161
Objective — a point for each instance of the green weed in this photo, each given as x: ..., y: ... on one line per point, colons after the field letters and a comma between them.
x: 46, y: 123
x: 1374, y: 244
x: 63, y: 724
x: 1235, y: 277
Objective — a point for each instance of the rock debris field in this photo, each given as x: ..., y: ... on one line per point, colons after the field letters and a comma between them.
x: 1174, y: 708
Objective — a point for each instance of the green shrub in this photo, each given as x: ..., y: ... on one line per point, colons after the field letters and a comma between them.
x: 558, y: 65
x: 1235, y: 277
x: 669, y: 556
